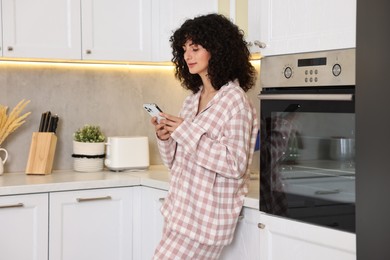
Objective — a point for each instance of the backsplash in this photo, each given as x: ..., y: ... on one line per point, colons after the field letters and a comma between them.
x: 107, y: 95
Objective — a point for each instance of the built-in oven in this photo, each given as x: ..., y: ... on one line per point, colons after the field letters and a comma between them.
x: 307, y: 137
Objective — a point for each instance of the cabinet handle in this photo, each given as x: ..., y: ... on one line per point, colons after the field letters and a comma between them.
x: 10, y: 48
x: 240, y: 217
x: 260, y: 44
x: 88, y: 51
x: 261, y: 225
x: 161, y: 200
x: 93, y: 199
x: 17, y: 205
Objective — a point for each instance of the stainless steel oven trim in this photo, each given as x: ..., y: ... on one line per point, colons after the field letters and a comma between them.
x: 273, y: 70
x: 326, y: 97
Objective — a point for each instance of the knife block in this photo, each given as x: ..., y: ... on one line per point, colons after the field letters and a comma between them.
x: 41, y: 156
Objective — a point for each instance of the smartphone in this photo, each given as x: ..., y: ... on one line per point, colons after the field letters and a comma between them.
x: 153, y: 110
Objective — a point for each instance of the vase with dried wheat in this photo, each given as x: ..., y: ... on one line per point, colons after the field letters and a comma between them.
x: 9, y: 123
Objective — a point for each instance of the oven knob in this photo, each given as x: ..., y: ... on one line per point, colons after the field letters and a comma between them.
x: 288, y: 72
x: 336, y: 70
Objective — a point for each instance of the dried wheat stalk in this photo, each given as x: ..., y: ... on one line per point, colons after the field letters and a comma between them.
x: 9, y: 123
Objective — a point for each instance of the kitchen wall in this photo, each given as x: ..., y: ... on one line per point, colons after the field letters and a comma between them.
x: 108, y: 95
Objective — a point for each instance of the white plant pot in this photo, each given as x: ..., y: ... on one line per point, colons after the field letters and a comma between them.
x: 85, y: 164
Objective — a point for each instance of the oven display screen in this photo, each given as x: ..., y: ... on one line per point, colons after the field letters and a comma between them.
x: 311, y: 62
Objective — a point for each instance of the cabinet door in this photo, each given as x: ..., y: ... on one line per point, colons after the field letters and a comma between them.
x: 91, y: 224
x: 303, y: 26
x: 117, y: 30
x: 149, y: 222
x: 24, y: 227
x: 41, y: 29
x: 254, y: 22
x: 246, y: 242
x: 245, y: 13
x: 286, y: 239
x: 169, y: 15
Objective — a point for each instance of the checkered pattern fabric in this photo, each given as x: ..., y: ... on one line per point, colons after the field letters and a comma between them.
x: 208, y: 156
x: 175, y: 246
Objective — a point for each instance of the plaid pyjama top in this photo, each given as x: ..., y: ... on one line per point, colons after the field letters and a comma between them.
x: 209, y: 156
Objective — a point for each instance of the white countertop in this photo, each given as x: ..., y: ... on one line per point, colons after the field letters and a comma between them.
x: 157, y: 176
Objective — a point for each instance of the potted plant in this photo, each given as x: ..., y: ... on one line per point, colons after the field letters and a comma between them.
x: 88, y: 149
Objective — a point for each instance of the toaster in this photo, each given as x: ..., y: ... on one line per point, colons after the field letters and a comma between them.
x: 127, y: 153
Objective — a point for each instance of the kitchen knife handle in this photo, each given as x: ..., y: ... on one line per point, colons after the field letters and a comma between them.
x: 46, y: 127
x: 50, y: 125
x: 42, y: 122
x: 55, y: 124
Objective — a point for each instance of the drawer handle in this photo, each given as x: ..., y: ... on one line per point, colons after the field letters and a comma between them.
x: 17, y: 205
x: 93, y: 199
x: 325, y: 192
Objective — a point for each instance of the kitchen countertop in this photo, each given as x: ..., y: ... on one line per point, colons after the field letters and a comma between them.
x: 156, y: 176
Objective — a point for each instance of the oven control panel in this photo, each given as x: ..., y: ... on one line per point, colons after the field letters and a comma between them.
x: 328, y: 68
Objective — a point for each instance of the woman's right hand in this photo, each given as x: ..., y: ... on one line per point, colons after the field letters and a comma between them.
x: 161, y: 132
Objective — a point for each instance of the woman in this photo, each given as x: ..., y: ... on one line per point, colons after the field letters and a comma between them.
x: 209, y: 146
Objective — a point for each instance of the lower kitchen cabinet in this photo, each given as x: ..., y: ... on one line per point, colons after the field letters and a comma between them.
x: 148, y: 220
x: 246, y: 242
x: 24, y: 227
x: 126, y: 223
x: 91, y: 224
x: 282, y: 239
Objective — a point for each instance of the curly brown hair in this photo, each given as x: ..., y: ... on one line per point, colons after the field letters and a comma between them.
x: 226, y: 45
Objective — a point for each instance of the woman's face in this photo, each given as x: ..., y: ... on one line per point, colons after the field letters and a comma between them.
x: 196, y: 57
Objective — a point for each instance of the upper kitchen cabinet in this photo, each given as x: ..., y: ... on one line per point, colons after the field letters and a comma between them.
x: 245, y: 13
x: 48, y: 29
x: 77, y: 30
x: 117, y: 30
x: 306, y: 25
x: 169, y: 16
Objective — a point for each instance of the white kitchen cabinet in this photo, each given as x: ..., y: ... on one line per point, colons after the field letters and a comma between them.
x: 41, y: 29
x: 245, y: 14
x: 169, y: 15
x: 117, y: 30
x: 246, y: 242
x: 24, y: 227
x: 148, y: 220
x: 282, y: 239
x: 74, y: 29
x: 91, y: 224
x: 253, y: 32
x: 306, y: 25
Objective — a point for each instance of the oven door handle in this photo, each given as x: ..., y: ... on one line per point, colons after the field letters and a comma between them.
x: 325, y: 97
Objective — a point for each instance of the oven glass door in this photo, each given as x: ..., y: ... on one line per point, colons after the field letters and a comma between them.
x: 307, y: 158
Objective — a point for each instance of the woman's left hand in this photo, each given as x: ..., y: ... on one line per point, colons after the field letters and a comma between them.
x: 171, y: 122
